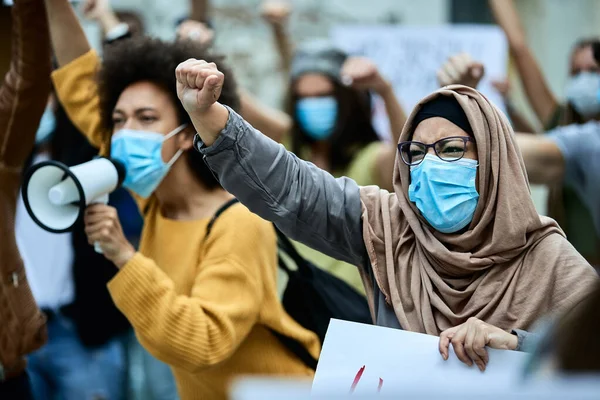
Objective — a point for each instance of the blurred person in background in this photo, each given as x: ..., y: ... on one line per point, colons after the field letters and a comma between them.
x: 206, y: 305
x: 567, y: 155
x: 199, y: 28
x: 458, y: 238
x: 23, y: 95
x: 330, y: 107
x: 332, y: 127
x: 583, y: 105
x: 84, y: 357
x: 157, y: 382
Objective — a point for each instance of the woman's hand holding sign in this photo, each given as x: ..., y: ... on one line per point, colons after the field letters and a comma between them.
x: 470, y: 339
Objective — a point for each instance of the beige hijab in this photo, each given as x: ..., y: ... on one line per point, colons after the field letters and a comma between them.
x: 509, y: 268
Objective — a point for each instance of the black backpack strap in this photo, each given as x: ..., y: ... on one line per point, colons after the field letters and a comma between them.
x: 218, y: 213
x: 298, y: 349
x: 292, y: 345
x: 288, y: 247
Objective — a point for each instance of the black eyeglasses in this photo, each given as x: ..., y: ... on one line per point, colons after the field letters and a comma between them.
x: 448, y: 149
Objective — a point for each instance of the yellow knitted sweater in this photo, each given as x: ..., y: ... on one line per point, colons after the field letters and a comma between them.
x: 205, y: 307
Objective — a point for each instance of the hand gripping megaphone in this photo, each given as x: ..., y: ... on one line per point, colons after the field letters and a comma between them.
x: 56, y: 196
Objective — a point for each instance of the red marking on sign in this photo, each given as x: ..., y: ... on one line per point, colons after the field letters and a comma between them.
x: 380, y: 385
x: 357, y: 379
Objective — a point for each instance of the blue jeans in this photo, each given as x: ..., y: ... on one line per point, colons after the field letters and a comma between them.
x: 151, y: 379
x: 66, y: 370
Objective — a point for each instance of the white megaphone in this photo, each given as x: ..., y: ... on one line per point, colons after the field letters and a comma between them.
x: 56, y: 196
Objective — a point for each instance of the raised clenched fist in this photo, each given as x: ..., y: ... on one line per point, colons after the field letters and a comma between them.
x: 362, y: 74
x: 460, y: 69
x: 276, y: 12
x: 199, y: 84
x: 96, y: 9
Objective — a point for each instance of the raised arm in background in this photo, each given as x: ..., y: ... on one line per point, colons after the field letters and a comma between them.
x: 102, y: 12
x: 23, y: 97
x: 306, y: 203
x: 199, y: 10
x: 544, y: 160
x: 519, y: 122
x: 276, y: 13
x: 365, y: 76
x: 273, y: 123
x: 539, y: 95
x: 75, y: 79
x: 68, y: 38
x: 461, y: 69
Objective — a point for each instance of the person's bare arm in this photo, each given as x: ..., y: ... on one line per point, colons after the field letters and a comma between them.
x: 101, y: 12
x: 276, y: 13
x: 271, y: 122
x: 364, y: 75
x: 386, y: 161
x: 68, y: 39
x: 543, y: 159
x: 519, y: 122
x: 539, y: 95
x: 199, y: 10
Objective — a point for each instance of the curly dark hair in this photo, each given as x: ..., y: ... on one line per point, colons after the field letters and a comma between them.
x: 148, y: 59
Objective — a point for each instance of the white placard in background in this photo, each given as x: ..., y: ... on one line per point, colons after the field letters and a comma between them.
x: 394, y: 359
x: 410, y: 57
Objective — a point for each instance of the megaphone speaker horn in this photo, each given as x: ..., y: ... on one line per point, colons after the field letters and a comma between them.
x: 55, y: 195
x: 39, y: 181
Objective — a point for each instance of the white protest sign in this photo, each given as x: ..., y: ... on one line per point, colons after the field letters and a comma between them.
x: 558, y: 388
x: 410, y: 57
x: 367, y: 359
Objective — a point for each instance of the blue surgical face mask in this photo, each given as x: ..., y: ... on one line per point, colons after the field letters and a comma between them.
x: 444, y: 192
x: 583, y: 92
x: 140, y: 153
x: 46, y: 127
x: 317, y: 116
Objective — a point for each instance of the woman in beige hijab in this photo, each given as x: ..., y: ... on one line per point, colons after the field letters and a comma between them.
x: 458, y: 238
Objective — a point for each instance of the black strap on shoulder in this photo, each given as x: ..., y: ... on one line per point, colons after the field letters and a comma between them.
x: 288, y: 247
x: 294, y: 346
x: 218, y: 213
x: 298, y: 349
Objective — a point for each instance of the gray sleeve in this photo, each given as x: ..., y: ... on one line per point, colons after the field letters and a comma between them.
x: 527, y: 341
x: 574, y: 143
x: 306, y: 203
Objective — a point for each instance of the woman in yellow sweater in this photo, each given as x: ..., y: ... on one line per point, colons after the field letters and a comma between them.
x: 206, y: 306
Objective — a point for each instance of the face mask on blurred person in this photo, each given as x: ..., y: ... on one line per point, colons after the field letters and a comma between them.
x: 444, y: 192
x: 140, y: 153
x: 317, y: 116
x: 583, y: 92
x: 46, y: 127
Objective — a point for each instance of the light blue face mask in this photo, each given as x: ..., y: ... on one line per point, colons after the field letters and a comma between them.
x: 46, y: 127
x: 583, y: 92
x: 444, y: 192
x: 140, y: 153
x: 317, y: 116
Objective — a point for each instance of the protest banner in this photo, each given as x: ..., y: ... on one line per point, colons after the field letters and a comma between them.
x: 410, y: 56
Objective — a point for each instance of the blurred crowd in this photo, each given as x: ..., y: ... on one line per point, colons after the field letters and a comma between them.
x: 433, y: 229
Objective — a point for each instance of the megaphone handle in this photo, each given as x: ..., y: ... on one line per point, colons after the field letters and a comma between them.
x: 100, y: 200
